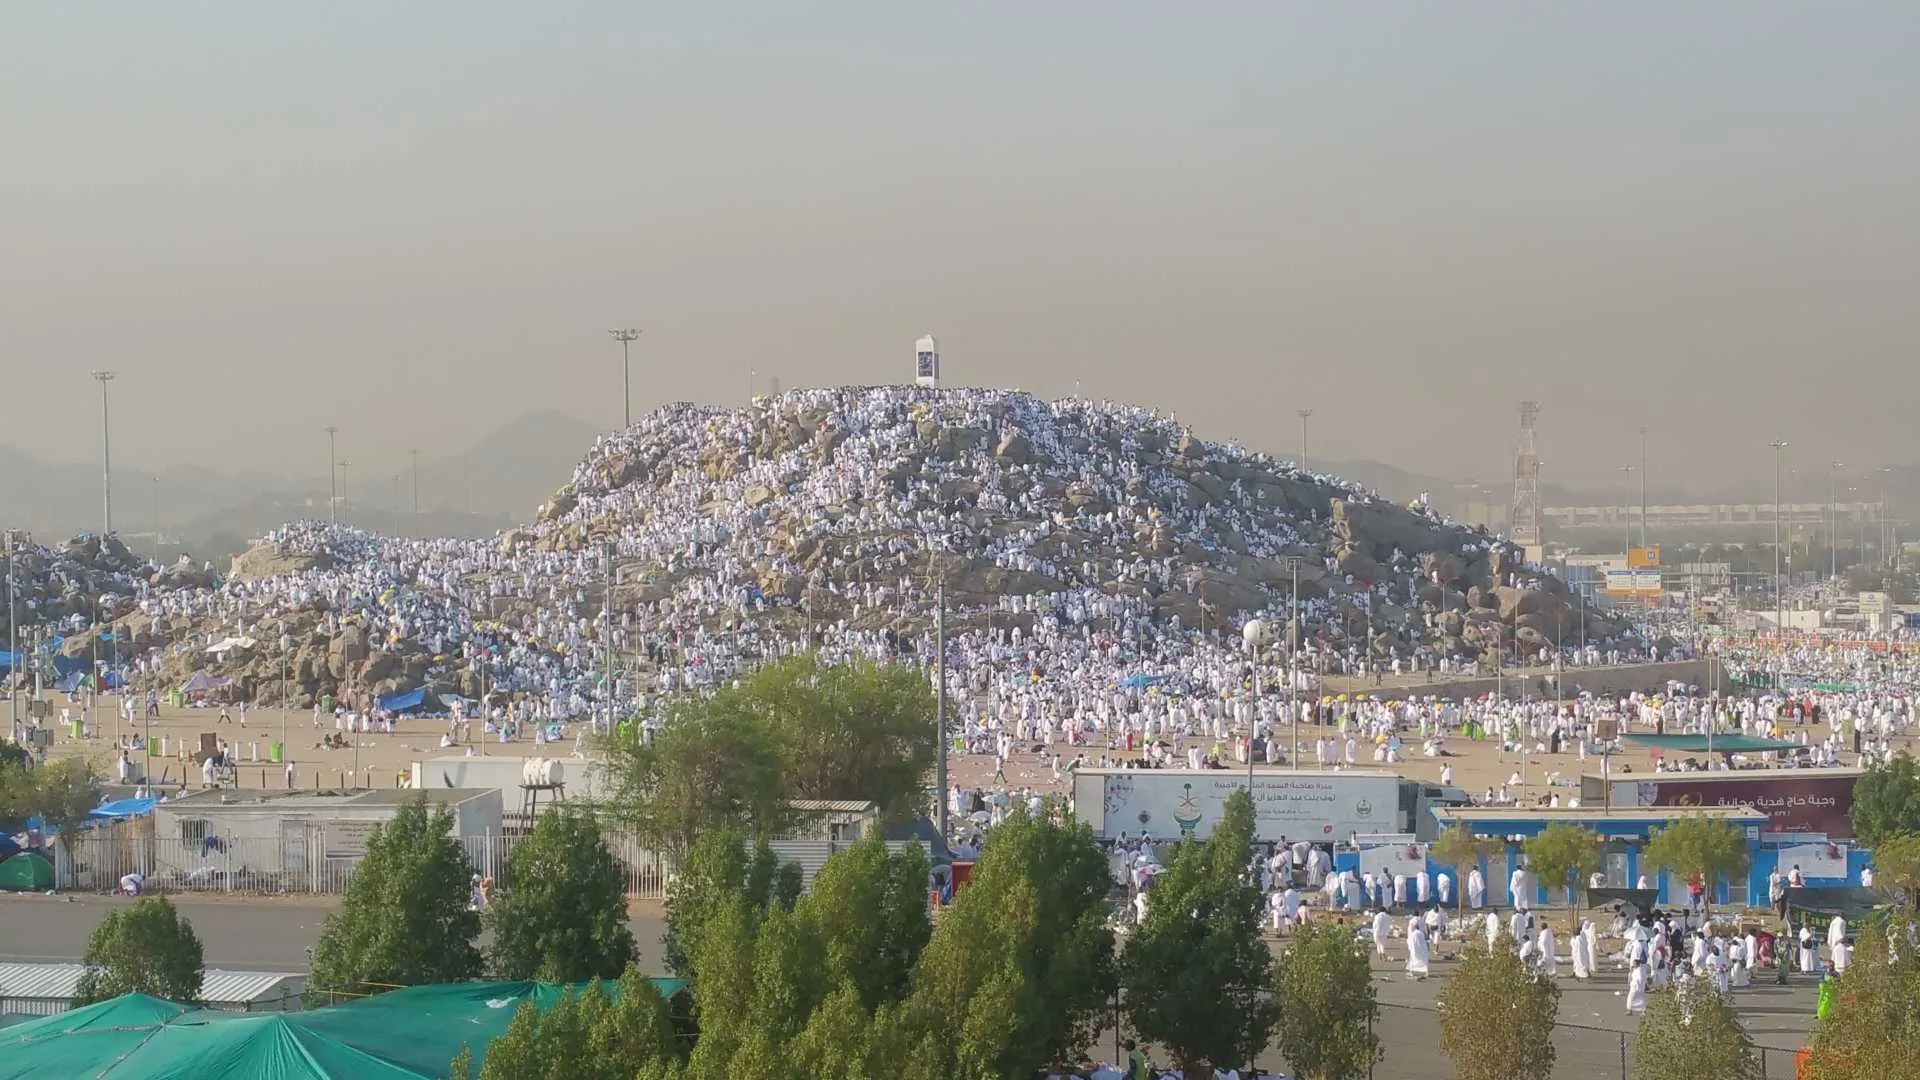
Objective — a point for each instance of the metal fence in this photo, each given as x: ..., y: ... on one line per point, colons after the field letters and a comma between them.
x: 1410, y: 1037
x: 304, y: 863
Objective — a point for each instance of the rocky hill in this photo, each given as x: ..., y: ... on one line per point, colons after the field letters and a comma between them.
x: 843, y: 507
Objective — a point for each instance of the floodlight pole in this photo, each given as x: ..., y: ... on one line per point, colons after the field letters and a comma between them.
x: 626, y: 337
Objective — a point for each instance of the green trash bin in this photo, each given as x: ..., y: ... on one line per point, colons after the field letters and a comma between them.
x: 274, y: 751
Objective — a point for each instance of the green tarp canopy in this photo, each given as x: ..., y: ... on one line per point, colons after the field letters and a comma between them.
x: 1722, y: 744
x: 29, y: 871
x: 402, y: 1035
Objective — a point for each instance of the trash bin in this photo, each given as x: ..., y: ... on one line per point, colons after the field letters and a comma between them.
x: 76, y: 730
x: 274, y: 750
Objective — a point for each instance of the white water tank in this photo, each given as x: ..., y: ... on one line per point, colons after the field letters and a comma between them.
x: 542, y: 772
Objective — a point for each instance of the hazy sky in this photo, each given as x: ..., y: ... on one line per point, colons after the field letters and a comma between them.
x: 417, y: 220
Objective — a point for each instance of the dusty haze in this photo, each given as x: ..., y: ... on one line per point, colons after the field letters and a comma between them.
x: 418, y: 225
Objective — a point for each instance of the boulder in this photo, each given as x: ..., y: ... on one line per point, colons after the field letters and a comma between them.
x: 1014, y: 447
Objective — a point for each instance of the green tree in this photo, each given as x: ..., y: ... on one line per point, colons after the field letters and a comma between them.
x: 605, y: 1031
x: 1494, y: 983
x: 716, y: 873
x: 1874, y: 1028
x: 1563, y: 854
x: 1325, y: 990
x: 405, y: 919
x: 146, y: 948
x: 562, y: 908
x: 1029, y: 933
x: 868, y: 907
x: 1886, y: 801
x: 1460, y: 849
x: 857, y: 730
x: 1689, y: 1032
x: 715, y: 763
x: 1198, y: 974
x: 1896, y: 868
x: 63, y: 791
x: 1711, y: 847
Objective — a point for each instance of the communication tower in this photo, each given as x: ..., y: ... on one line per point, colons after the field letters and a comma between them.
x: 1524, y: 528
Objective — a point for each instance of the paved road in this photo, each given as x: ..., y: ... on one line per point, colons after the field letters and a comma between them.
x: 247, y: 934
x: 272, y: 935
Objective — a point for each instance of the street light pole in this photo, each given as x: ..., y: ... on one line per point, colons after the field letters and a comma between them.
x: 940, y: 708
x: 1643, y: 485
x: 626, y: 337
x: 1293, y: 647
x: 1626, y: 509
x: 106, y: 456
x: 1833, y: 520
x: 1779, y: 591
x: 1304, y: 414
x: 343, y: 488
x: 333, y: 479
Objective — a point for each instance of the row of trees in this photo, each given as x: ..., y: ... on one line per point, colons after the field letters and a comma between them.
x: 853, y: 979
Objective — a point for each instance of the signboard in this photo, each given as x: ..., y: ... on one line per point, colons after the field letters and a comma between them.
x: 1792, y: 803
x: 1874, y: 603
x: 1823, y: 860
x: 1633, y: 582
x: 346, y: 839
x: 1393, y: 856
x: 1167, y: 803
x: 1643, y: 557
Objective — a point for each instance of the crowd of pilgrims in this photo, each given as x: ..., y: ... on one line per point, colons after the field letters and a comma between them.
x: 699, y: 549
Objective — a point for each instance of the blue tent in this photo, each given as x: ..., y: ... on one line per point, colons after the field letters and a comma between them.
x: 6, y: 660
x: 70, y: 682
x: 404, y: 701
x: 123, y: 808
x: 67, y: 665
x: 1134, y: 682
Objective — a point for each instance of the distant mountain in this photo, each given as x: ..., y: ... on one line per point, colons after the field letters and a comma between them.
x: 497, y: 481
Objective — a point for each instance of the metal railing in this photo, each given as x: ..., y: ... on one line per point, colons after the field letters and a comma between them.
x: 1410, y: 1037
x: 299, y: 863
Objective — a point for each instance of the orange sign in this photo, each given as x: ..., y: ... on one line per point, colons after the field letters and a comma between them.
x: 1643, y: 557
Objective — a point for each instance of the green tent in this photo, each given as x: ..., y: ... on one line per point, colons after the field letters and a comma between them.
x: 1730, y: 743
x: 403, y: 1035
x: 28, y: 871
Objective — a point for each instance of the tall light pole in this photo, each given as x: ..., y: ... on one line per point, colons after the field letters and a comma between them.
x: 1626, y: 508
x: 1886, y: 520
x: 626, y: 337
x: 106, y: 456
x: 1643, y: 485
x: 13, y: 648
x: 333, y: 479
x: 940, y: 708
x: 343, y: 488
x: 1293, y: 645
x: 1304, y: 414
x: 1779, y: 591
x: 1833, y: 519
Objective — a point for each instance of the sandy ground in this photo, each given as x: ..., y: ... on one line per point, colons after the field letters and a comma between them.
x: 378, y: 759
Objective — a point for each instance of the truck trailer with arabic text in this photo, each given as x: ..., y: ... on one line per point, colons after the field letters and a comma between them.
x: 1794, y: 800
x: 1318, y: 806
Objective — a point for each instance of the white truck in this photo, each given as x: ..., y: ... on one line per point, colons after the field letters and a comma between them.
x: 1320, y: 806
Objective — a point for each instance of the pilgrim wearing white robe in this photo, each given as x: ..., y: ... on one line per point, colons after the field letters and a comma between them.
x: 1520, y: 925
x: 1582, y: 960
x: 1809, y: 955
x: 1443, y: 887
x: 1836, y: 931
x: 1592, y: 937
x: 1493, y: 929
x: 1476, y: 889
x: 1549, y: 963
x: 1290, y: 904
x: 1842, y: 956
x: 1737, y: 973
x: 1517, y: 887
x: 1382, y: 930
x: 1662, y: 971
x: 1717, y: 968
x: 1416, y: 949
x: 1436, y: 924
x: 1400, y: 890
x: 1750, y: 952
x: 1422, y: 888
x: 1700, y: 950
x: 1637, y: 990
